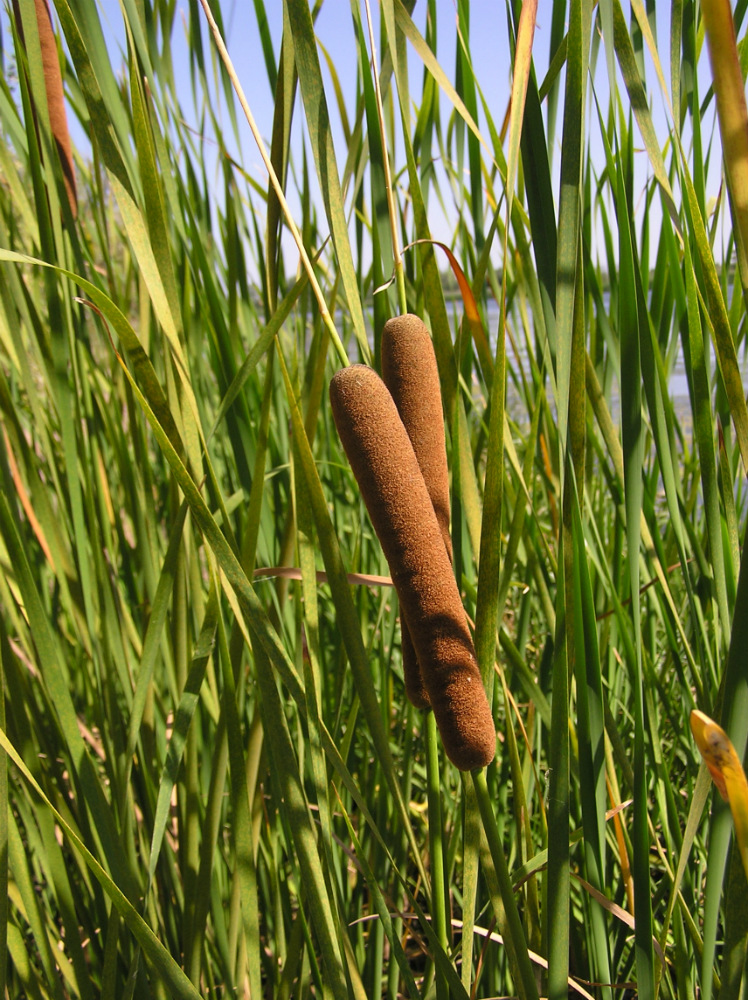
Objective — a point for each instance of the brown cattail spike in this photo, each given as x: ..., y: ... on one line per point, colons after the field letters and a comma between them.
x: 400, y: 508
x: 55, y: 98
x: 410, y: 372
x: 415, y: 689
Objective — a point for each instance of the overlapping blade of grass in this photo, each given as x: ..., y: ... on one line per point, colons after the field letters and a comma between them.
x: 466, y: 88
x: 591, y: 735
x: 93, y: 291
x: 717, y: 322
x: 96, y: 817
x: 85, y: 37
x: 154, y: 949
x: 386, y: 256
x: 282, y: 749
x: 48, y: 105
x: 4, y: 815
x: 732, y: 114
x: 568, y: 402
x: 733, y: 721
x: 285, y: 89
x: 488, y: 580
x: 346, y: 615
x: 628, y: 62
x: 631, y: 330
x: 228, y: 562
x: 705, y: 434
x: 124, y: 640
x: 717, y: 318
x: 296, y: 810
x: 244, y: 846
x: 318, y: 123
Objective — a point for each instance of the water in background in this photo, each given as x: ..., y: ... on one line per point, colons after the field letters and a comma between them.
x: 678, y: 380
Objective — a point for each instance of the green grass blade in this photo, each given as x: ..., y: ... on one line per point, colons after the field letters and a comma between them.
x: 318, y: 122
x: 347, y: 623
x: 296, y: 809
x: 633, y: 461
x: 161, y: 961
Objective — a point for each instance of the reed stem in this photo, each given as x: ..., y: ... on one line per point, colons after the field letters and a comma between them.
x: 439, y: 905
x: 509, y: 920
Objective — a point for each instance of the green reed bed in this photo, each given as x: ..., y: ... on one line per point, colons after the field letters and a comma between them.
x: 212, y: 781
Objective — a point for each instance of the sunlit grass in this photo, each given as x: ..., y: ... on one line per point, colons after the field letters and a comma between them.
x: 213, y: 783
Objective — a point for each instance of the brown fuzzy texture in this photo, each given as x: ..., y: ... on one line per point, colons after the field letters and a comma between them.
x: 55, y: 98
x: 58, y: 118
x: 415, y: 689
x: 400, y: 508
x: 410, y: 372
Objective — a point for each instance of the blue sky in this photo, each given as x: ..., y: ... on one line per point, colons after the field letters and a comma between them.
x: 489, y: 47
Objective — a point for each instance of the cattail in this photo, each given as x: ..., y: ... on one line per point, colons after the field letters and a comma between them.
x: 415, y: 689
x: 410, y: 372
x: 55, y: 99
x: 400, y: 508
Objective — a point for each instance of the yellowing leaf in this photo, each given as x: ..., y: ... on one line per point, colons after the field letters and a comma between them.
x: 727, y: 772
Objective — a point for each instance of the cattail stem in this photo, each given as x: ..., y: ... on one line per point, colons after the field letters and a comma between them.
x: 277, y: 186
x: 402, y: 298
x: 439, y: 903
x: 391, y: 208
x: 508, y: 918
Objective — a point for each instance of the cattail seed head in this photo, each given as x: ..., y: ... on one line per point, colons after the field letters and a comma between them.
x: 389, y: 477
x: 410, y: 372
x: 55, y: 97
x: 415, y: 689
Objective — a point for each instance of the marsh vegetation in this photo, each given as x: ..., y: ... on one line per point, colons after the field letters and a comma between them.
x: 212, y: 781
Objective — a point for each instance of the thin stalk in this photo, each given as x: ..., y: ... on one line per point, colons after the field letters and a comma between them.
x: 436, y: 848
x: 391, y: 207
x: 322, y: 305
x: 514, y: 935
